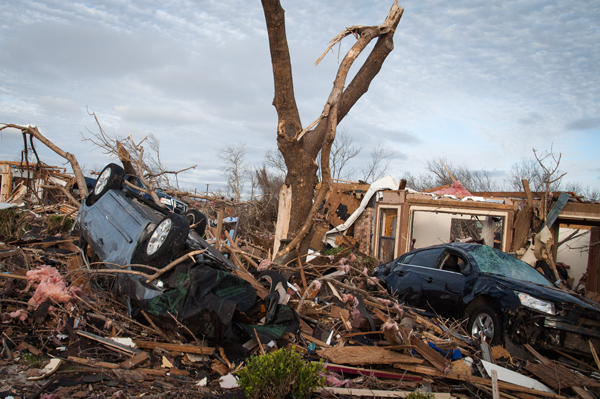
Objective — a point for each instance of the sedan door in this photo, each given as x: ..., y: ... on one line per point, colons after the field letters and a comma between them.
x: 443, y: 288
x: 406, y: 278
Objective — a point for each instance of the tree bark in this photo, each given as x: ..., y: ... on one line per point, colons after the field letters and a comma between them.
x: 300, y: 148
x: 125, y: 159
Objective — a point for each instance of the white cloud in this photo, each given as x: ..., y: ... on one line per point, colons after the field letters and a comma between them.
x: 473, y: 81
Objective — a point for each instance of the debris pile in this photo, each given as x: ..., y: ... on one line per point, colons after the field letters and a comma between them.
x: 74, y: 325
x: 65, y: 333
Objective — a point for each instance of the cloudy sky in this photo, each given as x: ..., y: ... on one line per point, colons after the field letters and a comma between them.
x: 477, y: 82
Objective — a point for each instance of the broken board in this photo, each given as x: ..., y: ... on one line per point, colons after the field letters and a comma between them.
x: 356, y: 355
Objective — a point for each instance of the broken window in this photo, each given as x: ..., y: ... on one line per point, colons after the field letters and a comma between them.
x: 501, y: 264
x: 487, y: 228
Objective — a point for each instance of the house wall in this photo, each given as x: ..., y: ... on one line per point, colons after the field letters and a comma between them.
x: 576, y: 258
x: 431, y: 226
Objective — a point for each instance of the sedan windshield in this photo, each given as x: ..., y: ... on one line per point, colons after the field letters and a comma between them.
x: 492, y: 261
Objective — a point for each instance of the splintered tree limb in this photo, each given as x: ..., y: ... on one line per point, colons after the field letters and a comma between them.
x: 174, y: 263
x: 125, y: 158
x: 366, y: 35
x: 164, y: 172
x: 363, y: 78
x: 34, y: 132
x: 150, y: 185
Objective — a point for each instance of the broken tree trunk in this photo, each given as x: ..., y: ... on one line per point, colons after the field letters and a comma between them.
x: 299, y: 146
x: 125, y: 159
x: 33, y: 131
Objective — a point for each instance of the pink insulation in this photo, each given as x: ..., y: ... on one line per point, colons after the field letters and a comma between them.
x: 456, y: 189
x: 19, y: 315
x: 333, y: 381
x: 50, y: 285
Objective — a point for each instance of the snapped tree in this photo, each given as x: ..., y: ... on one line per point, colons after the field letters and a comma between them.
x: 301, y: 146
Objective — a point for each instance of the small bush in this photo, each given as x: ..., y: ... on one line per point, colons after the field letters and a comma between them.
x: 276, y: 374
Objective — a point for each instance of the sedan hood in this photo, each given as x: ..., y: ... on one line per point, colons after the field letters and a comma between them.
x: 549, y: 293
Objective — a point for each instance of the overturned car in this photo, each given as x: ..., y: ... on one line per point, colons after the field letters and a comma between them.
x: 498, y: 294
x: 121, y: 229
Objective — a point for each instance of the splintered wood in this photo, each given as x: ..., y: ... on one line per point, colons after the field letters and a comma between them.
x: 357, y: 355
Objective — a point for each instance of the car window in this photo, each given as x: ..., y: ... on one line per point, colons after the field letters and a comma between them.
x: 427, y: 258
x: 453, y: 262
x: 405, y: 258
x: 492, y: 261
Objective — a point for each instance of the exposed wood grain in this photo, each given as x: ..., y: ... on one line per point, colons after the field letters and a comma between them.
x: 358, y: 355
x: 186, y: 348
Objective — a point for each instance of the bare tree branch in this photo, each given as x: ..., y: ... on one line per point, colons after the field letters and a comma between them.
x: 34, y: 132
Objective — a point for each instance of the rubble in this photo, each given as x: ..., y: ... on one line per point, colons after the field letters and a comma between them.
x: 67, y: 333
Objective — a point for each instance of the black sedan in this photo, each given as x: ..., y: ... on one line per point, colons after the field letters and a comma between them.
x: 496, y: 292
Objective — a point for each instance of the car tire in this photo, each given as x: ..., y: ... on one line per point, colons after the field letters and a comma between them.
x: 167, y: 239
x: 111, y: 178
x: 195, y: 216
x: 485, y: 320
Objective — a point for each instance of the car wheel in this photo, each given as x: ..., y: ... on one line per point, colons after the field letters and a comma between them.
x: 198, y: 218
x: 168, y: 237
x: 485, y: 322
x: 111, y: 178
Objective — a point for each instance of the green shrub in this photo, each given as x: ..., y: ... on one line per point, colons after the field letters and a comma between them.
x: 13, y: 223
x: 278, y: 373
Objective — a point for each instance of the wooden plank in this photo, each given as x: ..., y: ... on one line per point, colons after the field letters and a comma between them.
x: 485, y: 351
x: 135, y: 360
x: 109, y: 343
x: 431, y: 355
x: 376, y: 393
x: 152, y: 371
x: 431, y: 190
x: 495, y: 389
x: 537, y: 355
x: 186, y: 348
x: 358, y: 355
x: 93, y: 363
x: 575, y: 360
x: 559, y: 377
x: 522, y: 226
x: 593, y: 350
x: 315, y: 341
x: 582, y: 393
x: 513, y: 194
x: 457, y: 204
x: 9, y: 253
x: 372, y: 373
x: 219, y: 228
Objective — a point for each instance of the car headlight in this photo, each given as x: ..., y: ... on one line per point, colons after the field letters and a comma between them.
x: 535, y: 303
